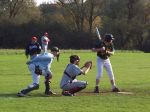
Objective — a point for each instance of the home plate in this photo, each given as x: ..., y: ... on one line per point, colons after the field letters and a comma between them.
x: 127, y: 93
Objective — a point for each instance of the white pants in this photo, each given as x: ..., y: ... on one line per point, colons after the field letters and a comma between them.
x: 35, y: 77
x: 104, y: 63
x: 44, y: 47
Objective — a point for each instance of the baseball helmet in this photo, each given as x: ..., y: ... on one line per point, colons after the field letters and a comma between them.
x: 73, y: 58
x: 56, y: 49
x: 34, y: 38
x: 109, y: 37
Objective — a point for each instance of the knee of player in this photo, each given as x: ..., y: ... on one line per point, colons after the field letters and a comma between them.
x: 48, y: 76
x: 85, y: 83
x: 31, y: 67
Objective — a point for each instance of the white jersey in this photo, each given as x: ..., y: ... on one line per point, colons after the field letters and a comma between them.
x: 45, y: 40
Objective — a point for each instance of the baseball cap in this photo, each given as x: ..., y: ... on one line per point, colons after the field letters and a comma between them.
x: 34, y: 38
x: 45, y: 33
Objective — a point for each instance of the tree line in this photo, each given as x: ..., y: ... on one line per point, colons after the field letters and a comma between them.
x: 71, y: 23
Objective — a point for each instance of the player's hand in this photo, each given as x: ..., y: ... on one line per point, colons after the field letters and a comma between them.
x: 103, y: 49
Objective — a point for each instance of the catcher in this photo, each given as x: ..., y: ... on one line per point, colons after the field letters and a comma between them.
x: 69, y: 84
x: 104, y: 50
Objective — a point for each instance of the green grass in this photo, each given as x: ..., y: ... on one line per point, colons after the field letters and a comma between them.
x: 131, y: 72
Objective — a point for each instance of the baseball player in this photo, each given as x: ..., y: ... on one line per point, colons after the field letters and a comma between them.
x: 40, y: 65
x: 104, y: 50
x: 33, y: 48
x: 69, y: 84
x: 45, y: 40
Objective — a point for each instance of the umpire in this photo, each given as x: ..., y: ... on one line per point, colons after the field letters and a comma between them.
x: 33, y: 48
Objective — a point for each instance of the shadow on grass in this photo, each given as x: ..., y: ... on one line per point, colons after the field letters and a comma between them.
x: 31, y: 95
x: 82, y: 93
x: 5, y: 95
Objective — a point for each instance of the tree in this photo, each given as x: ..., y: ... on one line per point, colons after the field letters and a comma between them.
x: 76, y: 10
x: 126, y: 20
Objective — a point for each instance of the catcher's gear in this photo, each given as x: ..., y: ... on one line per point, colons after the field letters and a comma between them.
x: 87, y: 66
x: 55, y: 49
x: 73, y: 58
x: 37, y: 70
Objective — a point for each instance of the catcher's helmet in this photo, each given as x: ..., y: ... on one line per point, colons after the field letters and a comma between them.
x: 56, y: 49
x: 109, y: 37
x: 73, y: 58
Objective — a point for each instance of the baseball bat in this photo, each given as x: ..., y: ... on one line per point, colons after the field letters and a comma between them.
x: 98, y: 34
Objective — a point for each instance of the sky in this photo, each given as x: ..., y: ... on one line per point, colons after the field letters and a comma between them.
x: 47, y: 1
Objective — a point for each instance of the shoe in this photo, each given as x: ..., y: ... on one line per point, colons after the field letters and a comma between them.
x: 115, y: 90
x: 21, y: 94
x: 96, y: 90
x: 66, y: 93
x: 50, y: 93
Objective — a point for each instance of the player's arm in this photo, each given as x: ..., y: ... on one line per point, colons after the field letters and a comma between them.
x: 98, y: 49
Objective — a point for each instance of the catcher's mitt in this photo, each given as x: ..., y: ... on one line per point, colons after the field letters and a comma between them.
x: 88, y: 64
x: 37, y: 70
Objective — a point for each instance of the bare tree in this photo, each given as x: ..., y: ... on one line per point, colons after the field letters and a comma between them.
x: 13, y: 7
x: 76, y: 9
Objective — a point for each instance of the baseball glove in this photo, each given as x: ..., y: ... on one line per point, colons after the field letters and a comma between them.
x: 37, y: 70
x: 88, y: 64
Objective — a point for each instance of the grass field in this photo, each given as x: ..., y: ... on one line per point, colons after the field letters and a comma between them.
x: 132, y: 73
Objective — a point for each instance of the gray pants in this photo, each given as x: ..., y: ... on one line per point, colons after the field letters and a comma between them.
x: 75, y: 84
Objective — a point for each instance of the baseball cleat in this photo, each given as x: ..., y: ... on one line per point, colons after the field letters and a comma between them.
x: 115, y: 90
x: 96, y: 90
x: 21, y: 94
x: 66, y: 93
x: 50, y: 93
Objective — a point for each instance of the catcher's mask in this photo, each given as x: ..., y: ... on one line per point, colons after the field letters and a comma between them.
x: 109, y: 37
x: 73, y: 58
x: 56, y: 49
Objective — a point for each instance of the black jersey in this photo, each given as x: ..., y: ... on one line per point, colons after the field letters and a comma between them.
x: 101, y: 44
x: 32, y: 49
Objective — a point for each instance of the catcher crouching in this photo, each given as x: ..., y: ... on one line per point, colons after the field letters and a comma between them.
x: 69, y: 84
